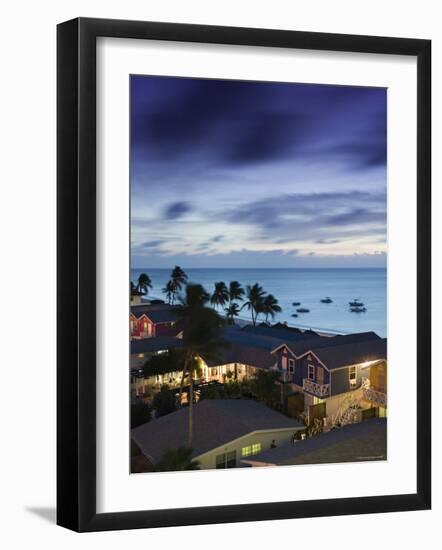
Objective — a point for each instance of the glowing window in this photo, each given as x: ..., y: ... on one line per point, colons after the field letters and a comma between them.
x: 256, y: 448
x: 247, y: 451
x: 251, y: 449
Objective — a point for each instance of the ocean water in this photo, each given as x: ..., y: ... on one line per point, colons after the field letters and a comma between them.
x: 307, y: 286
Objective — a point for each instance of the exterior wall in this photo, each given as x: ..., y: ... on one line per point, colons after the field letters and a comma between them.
x: 378, y: 377
x: 141, y: 327
x: 340, y: 381
x: 321, y: 375
x: 337, y: 403
x: 283, y: 360
x: 144, y: 328
x: 208, y: 460
x: 164, y: 329
x: 219, y: 373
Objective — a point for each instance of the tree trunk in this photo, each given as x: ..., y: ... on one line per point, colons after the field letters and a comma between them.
x: 185, y: 369
x: 190, y: 410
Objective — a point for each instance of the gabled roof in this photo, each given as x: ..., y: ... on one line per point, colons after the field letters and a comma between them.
x: 265, y: 341
x: 216, y: 422
x: 352, y: 353
x: 316, y: 343
x: 241, y: 353
x: 157, y: 313
x: 356, y: 442
x: 287, y: 334
x: 150, y: 345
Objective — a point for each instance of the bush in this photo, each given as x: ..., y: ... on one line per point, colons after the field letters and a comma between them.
x: 164, y: 401
x: 140, y: 413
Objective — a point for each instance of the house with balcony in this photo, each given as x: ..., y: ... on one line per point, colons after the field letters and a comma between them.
x: 333, y: 374
x: 153, y: 320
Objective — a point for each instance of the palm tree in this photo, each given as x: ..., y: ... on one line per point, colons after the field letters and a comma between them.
x: 202, y: 328
x: 144, y: 283
x: 236, y: 291
x: 169, y: 291
x: 174, y: 460
x: 178, y: 278
x: 255, y: 296
x: 220, y: 295
x: 232, y: 311
x: 270, y: 306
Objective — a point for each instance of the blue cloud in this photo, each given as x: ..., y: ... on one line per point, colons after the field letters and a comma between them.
x: 177, y: 210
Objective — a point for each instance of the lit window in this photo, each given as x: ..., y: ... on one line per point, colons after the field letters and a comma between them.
x: 247, y: 451
x: 311, y: 372
x: 256, y: 448
x: 291, y: 365
x: 352, y: 373
x: 251, y: 449
x: 145, y: 326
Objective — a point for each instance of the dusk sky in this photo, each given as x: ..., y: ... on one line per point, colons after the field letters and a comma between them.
x: 256, y: 174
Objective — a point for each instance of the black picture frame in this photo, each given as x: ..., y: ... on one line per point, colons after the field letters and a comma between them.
x: 76, y: 273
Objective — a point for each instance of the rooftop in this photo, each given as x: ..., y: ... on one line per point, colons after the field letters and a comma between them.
x: 151, y: 345
x: 157, y: 313
x: 236, y: 352
x: 356, y: 442
x: 216, y: 422
x: 352, y: 353
x: 322, y: 342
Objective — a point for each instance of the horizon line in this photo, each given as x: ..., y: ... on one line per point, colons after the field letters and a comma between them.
x: 262, y: 268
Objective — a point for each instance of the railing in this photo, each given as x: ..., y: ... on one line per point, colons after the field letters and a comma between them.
x: 376, y: 397
x: 320, y: 390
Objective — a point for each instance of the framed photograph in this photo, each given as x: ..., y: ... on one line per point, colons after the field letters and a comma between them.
x: 243, y: 274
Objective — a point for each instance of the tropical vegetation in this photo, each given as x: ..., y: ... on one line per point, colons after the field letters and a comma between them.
x: 164, y: 401
x: 144, y: 284
x: 202, y: 336
x: 140, y: 413
x: 220, y: 295
x: 270, y: 307
x: 175, y: 460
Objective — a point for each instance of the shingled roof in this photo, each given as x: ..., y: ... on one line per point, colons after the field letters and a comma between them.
x: 157, y: 313
x: 243, y: 354
x: 314, y: 344
x: 216, y: 422
x: 353, y: 353
x: 364, y: 441
x: 150, y: 345
x: 287, y: 334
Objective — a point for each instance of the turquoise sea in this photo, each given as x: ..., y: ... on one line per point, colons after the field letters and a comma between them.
x: 307, y: 286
